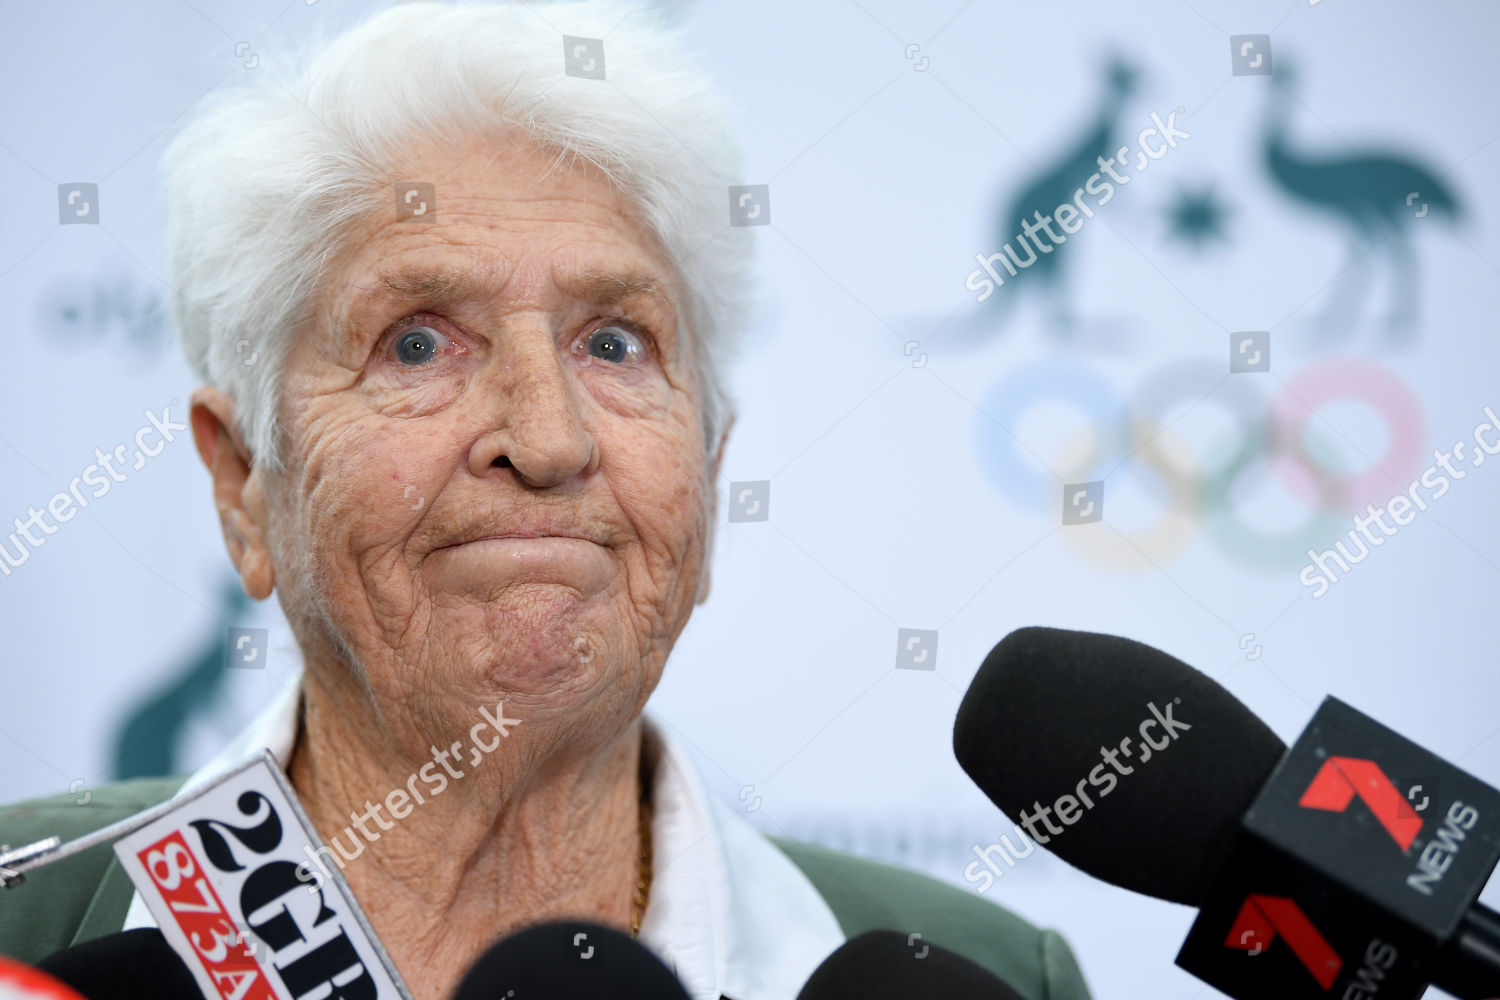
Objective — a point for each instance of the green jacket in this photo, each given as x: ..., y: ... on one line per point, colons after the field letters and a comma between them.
x: 86, y: 896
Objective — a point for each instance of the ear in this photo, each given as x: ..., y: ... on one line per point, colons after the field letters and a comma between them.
x: 713, y: 513
x: 237, y: 489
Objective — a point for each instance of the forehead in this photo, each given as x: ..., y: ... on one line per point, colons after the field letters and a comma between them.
x: 510, y: 216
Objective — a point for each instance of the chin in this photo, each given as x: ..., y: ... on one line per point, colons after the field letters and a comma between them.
x: 532, y: 648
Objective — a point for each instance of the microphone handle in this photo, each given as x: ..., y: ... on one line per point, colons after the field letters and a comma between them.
x: 1468, y: 966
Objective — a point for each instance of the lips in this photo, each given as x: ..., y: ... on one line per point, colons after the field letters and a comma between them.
x: 518, y: 533
x: 487, y: 563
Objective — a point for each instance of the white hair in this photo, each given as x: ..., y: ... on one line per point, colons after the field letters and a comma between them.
x: 266, y: 182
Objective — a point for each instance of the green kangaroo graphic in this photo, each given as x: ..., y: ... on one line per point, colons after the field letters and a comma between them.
x: 146, y: 746
x: 1053, y: 184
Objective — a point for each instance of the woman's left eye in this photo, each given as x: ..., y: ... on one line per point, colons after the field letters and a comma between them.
x: 615, y: 343
x: 417, y: 346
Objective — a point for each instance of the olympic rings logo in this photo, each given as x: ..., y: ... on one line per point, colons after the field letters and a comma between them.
x: 1279, y: 435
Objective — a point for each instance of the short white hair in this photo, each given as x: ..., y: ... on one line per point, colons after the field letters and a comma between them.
x: 267, y: 182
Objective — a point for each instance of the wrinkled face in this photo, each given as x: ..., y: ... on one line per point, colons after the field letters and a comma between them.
x: 496, y: 475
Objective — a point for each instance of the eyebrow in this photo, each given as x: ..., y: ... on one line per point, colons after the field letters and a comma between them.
x: 608, y: 287
x: 603, y: 288
x: 415, y: 283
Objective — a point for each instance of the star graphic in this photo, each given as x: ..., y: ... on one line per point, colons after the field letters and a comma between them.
x: 1197, y: 216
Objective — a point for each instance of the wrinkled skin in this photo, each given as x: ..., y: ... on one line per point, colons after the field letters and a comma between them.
x: 464, y: 381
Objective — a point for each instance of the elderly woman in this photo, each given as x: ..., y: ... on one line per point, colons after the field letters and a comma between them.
x: 461, y: 308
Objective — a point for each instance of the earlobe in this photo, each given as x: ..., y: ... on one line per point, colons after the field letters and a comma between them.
x: 257, y: 575
x: 236, y: 488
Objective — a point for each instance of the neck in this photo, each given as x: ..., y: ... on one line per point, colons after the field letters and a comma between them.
x: 448, y: 850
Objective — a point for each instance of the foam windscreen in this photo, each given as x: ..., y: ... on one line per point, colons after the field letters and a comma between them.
x: 1143, y: 765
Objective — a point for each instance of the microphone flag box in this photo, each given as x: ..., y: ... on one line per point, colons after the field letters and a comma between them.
x: 1355, y: 864
x: 226, y: 876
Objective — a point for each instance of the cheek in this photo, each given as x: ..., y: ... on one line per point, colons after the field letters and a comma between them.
x: 420, y: 397
x: 367, y: 482
x: 644, y: 396
x: 660, y: 486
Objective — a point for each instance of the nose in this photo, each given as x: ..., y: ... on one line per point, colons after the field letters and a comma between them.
x: 538, y: 428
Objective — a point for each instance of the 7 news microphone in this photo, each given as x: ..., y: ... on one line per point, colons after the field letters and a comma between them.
x: 1348, y: 865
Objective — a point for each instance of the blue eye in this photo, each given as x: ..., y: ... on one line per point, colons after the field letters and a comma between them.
x: 613, y: 343
x: 418, y: 345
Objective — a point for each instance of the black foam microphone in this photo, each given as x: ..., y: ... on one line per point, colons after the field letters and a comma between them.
x: 130, y: 965
x: 569, y: 959
x: 1347, y: 866
x: 1055, y: 716
x: 886, y: 965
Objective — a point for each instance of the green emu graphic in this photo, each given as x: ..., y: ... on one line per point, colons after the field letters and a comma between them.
x: 1374, y: 197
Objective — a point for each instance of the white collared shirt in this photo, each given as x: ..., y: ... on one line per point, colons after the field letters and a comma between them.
x: 730, y: 913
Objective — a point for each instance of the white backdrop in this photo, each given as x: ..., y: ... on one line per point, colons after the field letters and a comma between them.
x: 904, y: 492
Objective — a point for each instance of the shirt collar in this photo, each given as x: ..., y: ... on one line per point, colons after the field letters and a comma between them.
x: 729, y: 912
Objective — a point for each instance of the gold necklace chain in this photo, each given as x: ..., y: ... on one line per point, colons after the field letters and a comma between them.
x: 643, y: 868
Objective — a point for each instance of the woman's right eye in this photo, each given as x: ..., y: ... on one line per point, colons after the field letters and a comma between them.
x: 417, y: 346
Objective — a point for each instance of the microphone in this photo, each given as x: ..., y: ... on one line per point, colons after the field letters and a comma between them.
x: 569, y: 959
x: 887, y: 965
x: 24, y: 982
x: 1303, y: 891
x: 1053, y: 711
x: 129, y: 965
